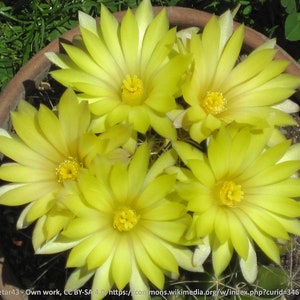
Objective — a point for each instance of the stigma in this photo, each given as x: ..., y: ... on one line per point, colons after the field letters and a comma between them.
x: 231, y: 194
x: 125, y: 219
x: 132, y: 90
x: 68, y: 170
x: 214, y: 103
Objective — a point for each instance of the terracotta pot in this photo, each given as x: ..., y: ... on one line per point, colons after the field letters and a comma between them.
x: 32, y: 73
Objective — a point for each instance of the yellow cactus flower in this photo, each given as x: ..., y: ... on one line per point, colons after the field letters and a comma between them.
x: 240, y: 193
x: 48, y: 150
x: 220, y: 90
x: 123, y: 70
x: 130, y: 224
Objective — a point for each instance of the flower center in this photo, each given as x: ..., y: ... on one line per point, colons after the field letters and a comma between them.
x: 125, y: 219
x: 132, y: 90
x: 231, y: 194
x: 214, y: 103
x: 68, y: 170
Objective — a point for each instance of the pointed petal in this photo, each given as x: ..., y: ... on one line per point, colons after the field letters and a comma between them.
x: 187, y: 151
x: 121, y: 263
x: 119, y: 182
x: 147, y: 266
x: 239, y: 236
x: 101, y: 252
x: 129, y: 38
x: 201, y: 252
x: 109, y: 29
x: 156, y: 190
x: 17, y: 173
x: 165, y: 260
x: 229, y: 57
x: 51, y: 129
x: 79, y: 254
x: 162, y: 125
x: 221, y: 256
x: 137, y: 169
x: 221, y: 225
x: 82, y: 227
x: 78, y: 278
x: 165, y: 160
x: 98, y: 51
x: 263, y: 240
x: 138, y: 116
x: 138, y: 282
x: 102, y: 281
x: 249, y: 265
x: 55, y: 245
x: 87, y: 22
x: 265, y: 221
x: 22, y: 194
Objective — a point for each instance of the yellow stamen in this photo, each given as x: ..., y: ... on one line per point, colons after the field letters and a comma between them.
x: 214, y: 103
x: 125, y: 219
x: 132, y: 90
x: 67, y: 170
x: 231, y: 194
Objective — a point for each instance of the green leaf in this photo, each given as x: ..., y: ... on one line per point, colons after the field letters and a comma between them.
x: 289, y: 5
x: 247, y: 10
x: 292, y: 26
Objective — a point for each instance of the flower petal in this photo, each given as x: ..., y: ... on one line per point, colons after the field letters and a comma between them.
x: 119, y: 182
x: 221, y: 256
x: 98, y: 51
x: 109, y: 29
x: 55, y: 245
x: 88, y: 22
x: 78, y: 278
x: 138, y: 283
x: 51, y: 129
x: 167, y: 210
x: 146, y: 265
x: 82, y: 227
x: 205, y: 221
x: 162, y: 125
x: 78, y: 255
x: 18, y: 173
x: 137, y: 169
x: 201, y: 252
x: 165, y: 260
x: 170, y: 231
x: 129, y: 39
x: 221, y: 225
x: 165, y: 160
x: 238, y: 235
x: 277, y: 204
x: 101, y: 252
x: 156, y: 190
x: 22, y: 194
x: 249, y: 265
x: 265, y: 221
x: 121, y: 263
x: 263, y: 240
x: 102, y: 281
x: 248, y: 68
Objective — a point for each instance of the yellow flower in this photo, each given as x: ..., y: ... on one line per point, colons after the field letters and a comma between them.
x: 123, y: 70
x: 47, y: 151
x: 240, y: 193
x: 132, y: 225
x: 219, y: 90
